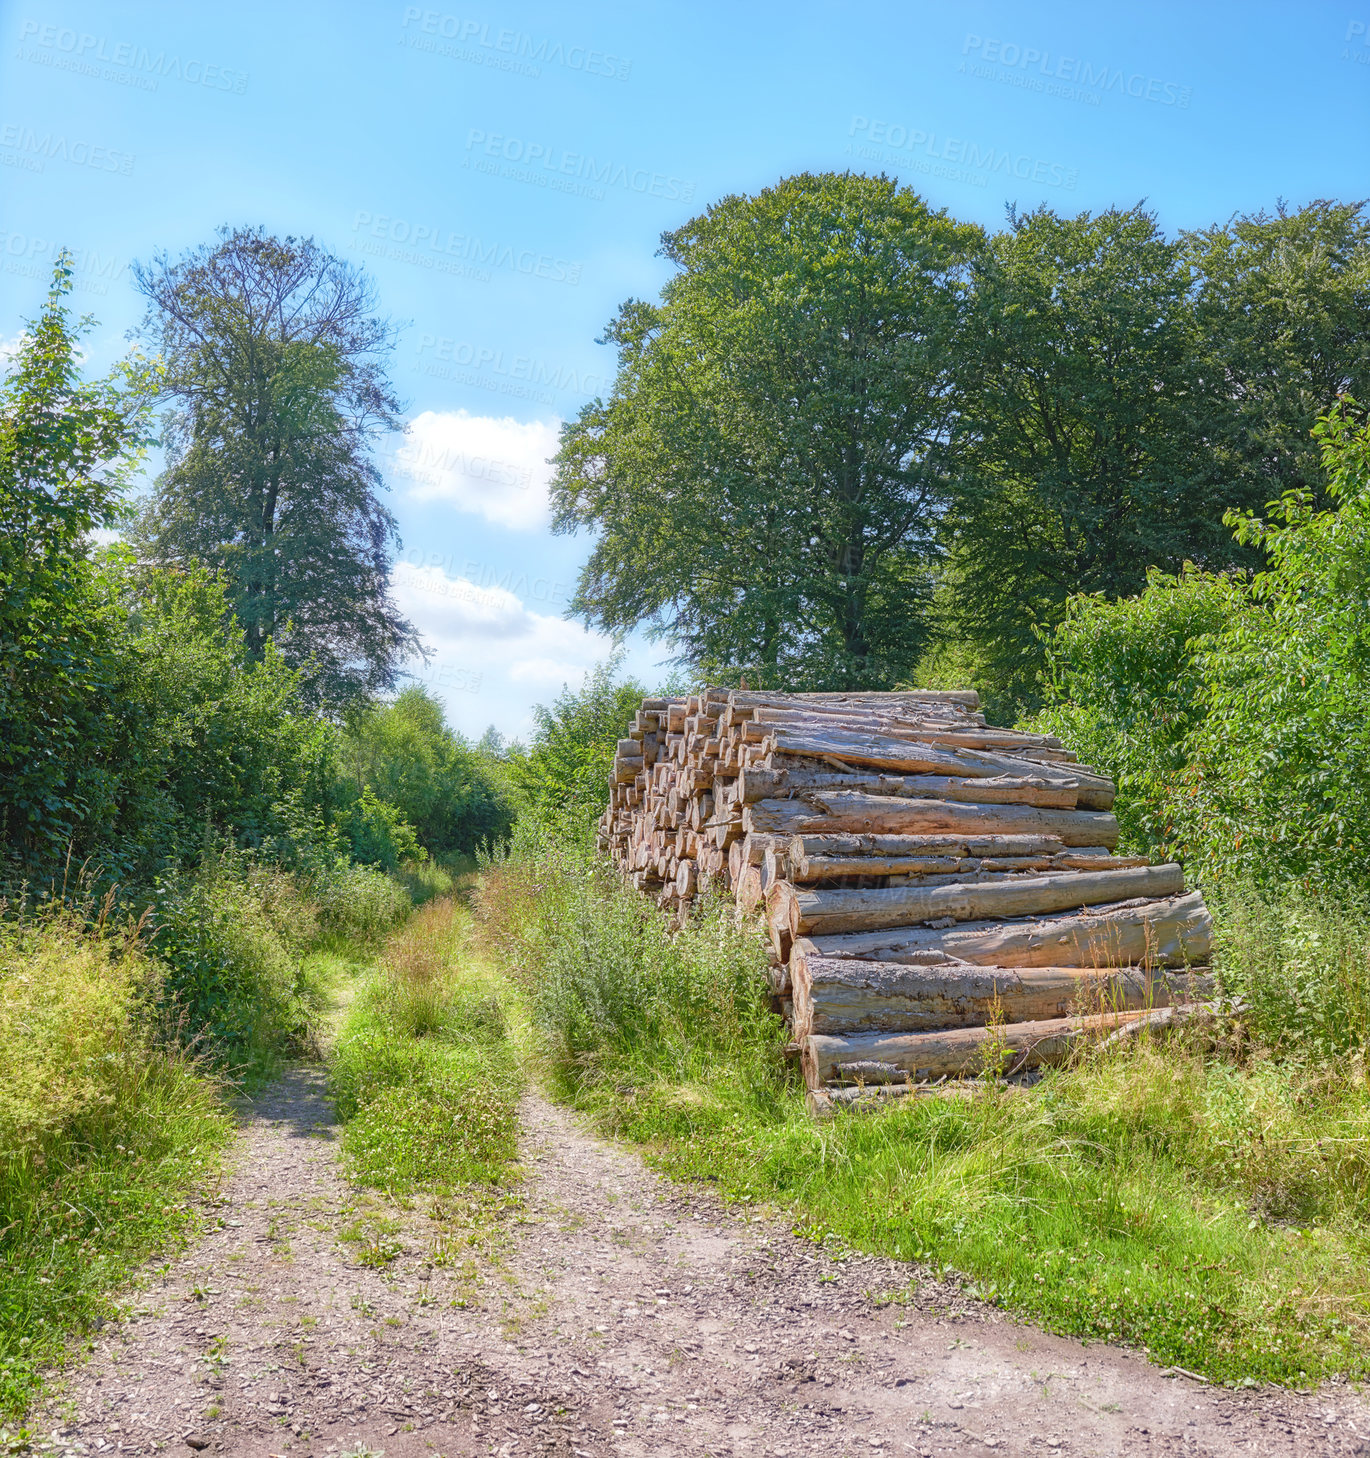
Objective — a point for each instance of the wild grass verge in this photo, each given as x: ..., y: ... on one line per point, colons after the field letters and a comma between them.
x: 1210, y: 1207
x: 105, y: 1137
x: 424, y: 1073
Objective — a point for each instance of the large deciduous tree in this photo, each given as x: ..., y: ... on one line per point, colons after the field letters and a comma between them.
x: 766, y: 477
x: 67, y: 448
x: 1283, y: 306
x: 276, y: 381
x: 1085, y: 452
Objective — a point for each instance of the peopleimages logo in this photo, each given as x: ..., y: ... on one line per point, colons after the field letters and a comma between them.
x: 23, y: 147
x: 121, y: 61
x: 978, y: 161
x: 447, y: 251
x: 26, y: 256
x: 1091, y: 78
x: 507, y: 50
x: 1357, y: 31
x: 551, y: 166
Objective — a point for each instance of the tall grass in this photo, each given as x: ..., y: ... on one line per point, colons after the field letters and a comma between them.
x: 1205, y: 1197
x: 424, y: 1073
x: 105, y: 1133
x: 622, y: 1004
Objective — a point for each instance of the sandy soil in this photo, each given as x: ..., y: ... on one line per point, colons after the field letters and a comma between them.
x: 613, y: 1314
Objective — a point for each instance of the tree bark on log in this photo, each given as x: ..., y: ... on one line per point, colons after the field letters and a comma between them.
x: 777, y: 782
x: 1174, y: 932
x: 826, y: 912
x: 843, y: 996
x: 829, y: 812
x: 896, y: 1057
x: 906, y: 756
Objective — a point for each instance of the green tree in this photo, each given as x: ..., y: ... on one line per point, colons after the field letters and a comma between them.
x: 1283, y: 305
x: 563, y: 774
x: 766, y: 477
x: 205, y: 735
x: 276, y: 382
x: 455, y: 797
x: 1236, y: 708
x: 1083, y: 455
x: 67, y: 448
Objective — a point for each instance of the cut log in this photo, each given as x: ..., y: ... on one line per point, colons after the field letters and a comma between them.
x: 829, y: 812
x: 1175, y: 932
x: 825, y: 912
x: 810, y: 855
x: 841, y: 995
x: 906, y: 756
x: 764, y: 783
x: 956, y: 1051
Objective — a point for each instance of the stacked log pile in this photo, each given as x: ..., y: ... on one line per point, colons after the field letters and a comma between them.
x: 941, y: 896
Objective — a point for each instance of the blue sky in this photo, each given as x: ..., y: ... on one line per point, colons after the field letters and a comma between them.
x: 504, y: 172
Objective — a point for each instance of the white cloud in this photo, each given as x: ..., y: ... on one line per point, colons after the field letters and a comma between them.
x: 485, y: 641
x: 493, y: 466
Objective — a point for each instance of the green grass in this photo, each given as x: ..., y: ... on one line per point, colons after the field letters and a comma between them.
x: 1209, y: 1206
x: 105, y: 1140
x: 424, y: 1073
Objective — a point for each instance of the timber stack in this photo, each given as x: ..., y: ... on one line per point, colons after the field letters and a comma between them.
x: 942, y: 897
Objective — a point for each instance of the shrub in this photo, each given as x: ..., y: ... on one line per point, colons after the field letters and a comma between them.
x: 454, y: 796
x: 359, y: 903
x: 615, y: 994
x: 232, y: 936
x: 1236, y: 711
x: 378, y: 834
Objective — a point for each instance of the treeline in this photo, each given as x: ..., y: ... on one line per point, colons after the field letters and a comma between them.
x: 857, y: 442
x: 203, y: 718
x: 1234, y: 708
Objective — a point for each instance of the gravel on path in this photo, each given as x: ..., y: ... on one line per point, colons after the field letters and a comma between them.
x: 613, y: 1313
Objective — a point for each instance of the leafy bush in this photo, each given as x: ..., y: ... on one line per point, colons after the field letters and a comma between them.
x: 378, y: 834
x: 564, y: 774
x: 232, y: 935
x: 1236, y: 711
x: 358, y: 903
x: 455, y: 797
x: 1301, y: 965
x: 614, y: 993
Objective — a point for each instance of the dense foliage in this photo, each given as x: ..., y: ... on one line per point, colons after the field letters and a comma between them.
x: 859, y: 443
x: 563, y: 774
x: 150, y: 748
x: 1235, y: 709
x: 275, y: 375
x: 767, y: 473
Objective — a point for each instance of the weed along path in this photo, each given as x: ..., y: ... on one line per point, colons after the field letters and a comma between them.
x: 615, y: 1313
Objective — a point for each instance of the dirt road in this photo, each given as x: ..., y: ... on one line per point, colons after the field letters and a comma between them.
x: 621, y: 1315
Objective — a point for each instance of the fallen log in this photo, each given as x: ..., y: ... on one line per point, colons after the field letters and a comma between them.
x: 824, y: 912
x: 1173, y: 932
x: 903, y: 1057
x: 818, y: 857
x: 841, y: 995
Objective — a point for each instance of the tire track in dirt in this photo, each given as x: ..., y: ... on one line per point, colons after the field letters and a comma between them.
x: 616, y: 1314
